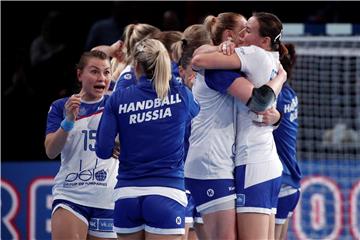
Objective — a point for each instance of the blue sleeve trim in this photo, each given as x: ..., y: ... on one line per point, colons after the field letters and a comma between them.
x: 220, y: 80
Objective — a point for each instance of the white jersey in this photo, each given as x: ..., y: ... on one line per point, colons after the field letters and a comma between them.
x: 254, y: 143
x: 83, y: 178
x: 212, y: 138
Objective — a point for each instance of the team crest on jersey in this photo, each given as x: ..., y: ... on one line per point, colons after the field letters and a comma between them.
x: 240, y: 200
x: 82, y: 111
x: 210, y: 192
x: 127, y: 76
x: 242, y: 51
x: 179, y: 79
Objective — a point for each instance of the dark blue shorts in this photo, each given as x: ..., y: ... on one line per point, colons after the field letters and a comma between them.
x: 99, y: 221
x: 258, y: 198
x: 152, y: 213
x: 191, y: 214
x: 210, y: 192
x: 286, y: 206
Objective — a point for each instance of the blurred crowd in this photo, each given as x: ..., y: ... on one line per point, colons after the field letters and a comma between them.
x: 38, y: 69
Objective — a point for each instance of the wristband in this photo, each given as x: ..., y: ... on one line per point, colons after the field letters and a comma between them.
x: 67, y: 125
x: 278, y: 122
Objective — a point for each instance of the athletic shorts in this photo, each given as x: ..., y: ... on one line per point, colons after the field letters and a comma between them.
x: 98, y: 220
x: 208, y: 193
x: 191, y: 214
x: 257, y: 198
x: 286, y: 206
x: 153, y: 213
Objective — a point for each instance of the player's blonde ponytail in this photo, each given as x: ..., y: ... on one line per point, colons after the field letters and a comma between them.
x: 155, y: 63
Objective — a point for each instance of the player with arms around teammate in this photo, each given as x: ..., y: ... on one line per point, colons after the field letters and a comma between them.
x: 258, y: 167
x: 209, y: 166
x: 83, y: 206
x: 150, y: 118
x: 193, y: 37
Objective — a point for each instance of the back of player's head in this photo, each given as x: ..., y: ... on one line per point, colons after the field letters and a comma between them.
x: 289, y: 59
x: 134, y: 33
x: 193, y: 37
x: 168, y: 38
x: 153, y: 59
x: 217, y: 25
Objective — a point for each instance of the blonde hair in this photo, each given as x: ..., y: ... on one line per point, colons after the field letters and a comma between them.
x: 116, y: 68
x: 217, y: 25
x: 133, y: 33
x: 154, y: 61
x: 193, y: 37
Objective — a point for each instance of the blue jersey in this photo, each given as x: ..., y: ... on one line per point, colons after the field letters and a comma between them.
x: 176, y: 74
x: 175, y: 71
x: 285, y: 136
x: 151, y: 133
x: 126, y: 79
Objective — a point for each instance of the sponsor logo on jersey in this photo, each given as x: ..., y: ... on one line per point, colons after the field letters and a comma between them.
x: 86, y: 177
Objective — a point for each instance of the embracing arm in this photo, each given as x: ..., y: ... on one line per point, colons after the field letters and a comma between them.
x: 244, y: 91
x: 258, y: 99
x: 277, y: 83
x: 216, y: 60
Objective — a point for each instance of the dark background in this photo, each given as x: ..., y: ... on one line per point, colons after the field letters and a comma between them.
x: 25, y: 102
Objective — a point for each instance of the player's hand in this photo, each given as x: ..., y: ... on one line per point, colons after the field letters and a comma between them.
x: 227, y: 47
x: 117, y: 49
x: 72, y: 107
x: 268, y: 117
x: 116, y: 150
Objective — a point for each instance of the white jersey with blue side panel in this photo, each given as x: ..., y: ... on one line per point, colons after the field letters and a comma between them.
x: 212, y: 138
x: 254, y: 143
x: 83, y: 178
